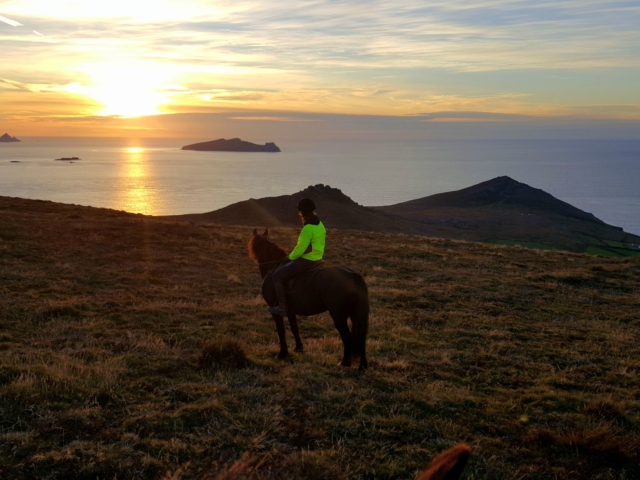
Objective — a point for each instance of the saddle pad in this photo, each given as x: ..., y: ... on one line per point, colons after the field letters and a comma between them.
x: 302, y: 280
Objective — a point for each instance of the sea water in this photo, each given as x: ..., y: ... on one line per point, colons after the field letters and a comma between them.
x: 155, y: 177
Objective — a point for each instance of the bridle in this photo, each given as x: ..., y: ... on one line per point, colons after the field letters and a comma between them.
x: 272, y: 262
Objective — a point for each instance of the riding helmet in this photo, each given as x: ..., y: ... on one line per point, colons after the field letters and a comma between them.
x: 306, y: 205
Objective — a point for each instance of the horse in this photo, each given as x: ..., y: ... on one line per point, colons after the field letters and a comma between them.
x: 338, y: 290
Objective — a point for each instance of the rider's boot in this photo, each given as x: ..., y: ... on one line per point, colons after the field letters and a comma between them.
x: 281, y: 307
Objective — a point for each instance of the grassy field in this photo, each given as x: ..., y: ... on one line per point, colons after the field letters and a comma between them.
x: 108, y: 322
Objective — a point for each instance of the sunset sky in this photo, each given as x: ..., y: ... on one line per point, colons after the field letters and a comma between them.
x: 74, y: 64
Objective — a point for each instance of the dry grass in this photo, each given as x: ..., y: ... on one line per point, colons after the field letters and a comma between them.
x: 106, y: 321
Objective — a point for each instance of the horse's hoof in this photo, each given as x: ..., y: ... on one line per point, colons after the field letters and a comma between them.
x: 344, y: 363
x: 300, y: 349
x: 283, y: 356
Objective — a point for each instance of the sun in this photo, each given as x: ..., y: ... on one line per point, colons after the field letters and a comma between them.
x: 128, y: 89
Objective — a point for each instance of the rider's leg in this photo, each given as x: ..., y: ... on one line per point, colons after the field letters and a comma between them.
x: 281, y: 307
x: 280, y: 275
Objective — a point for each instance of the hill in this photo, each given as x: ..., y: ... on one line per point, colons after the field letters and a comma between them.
x: 529, y: 356
x: 336, y: 210
x: 500, y: 191
x: 232, y: 145
x: 501, y: 211
x: 505, y: 211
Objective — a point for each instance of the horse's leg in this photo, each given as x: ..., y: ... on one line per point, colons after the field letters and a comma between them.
x: 284, y: 350
x: 293, y: 323
x: 340, y: 321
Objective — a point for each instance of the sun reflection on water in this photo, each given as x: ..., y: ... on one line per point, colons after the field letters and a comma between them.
x: 136, y: 193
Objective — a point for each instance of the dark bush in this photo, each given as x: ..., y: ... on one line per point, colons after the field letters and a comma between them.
x: 61, y: 311
x: 227, y: 354
x: 8, y: 375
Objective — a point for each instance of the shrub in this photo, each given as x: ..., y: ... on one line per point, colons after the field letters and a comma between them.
x: 227, y: 354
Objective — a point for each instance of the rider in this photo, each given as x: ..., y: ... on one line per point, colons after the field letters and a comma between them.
x: 304, y: 256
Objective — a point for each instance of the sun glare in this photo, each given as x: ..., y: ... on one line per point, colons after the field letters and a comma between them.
x: 129, y: 89
x: 135, y: 192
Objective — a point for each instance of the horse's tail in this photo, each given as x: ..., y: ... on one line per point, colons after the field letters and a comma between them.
x: 360, y: 318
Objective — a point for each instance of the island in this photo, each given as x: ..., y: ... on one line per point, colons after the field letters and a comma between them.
x: 233, y: 145
x: 67, y: 159
x: 6, y: 138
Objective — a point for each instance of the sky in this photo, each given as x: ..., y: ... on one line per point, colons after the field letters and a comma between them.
x: 89, y: 67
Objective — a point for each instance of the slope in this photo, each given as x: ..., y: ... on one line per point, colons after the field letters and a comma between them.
x: 531, y: 357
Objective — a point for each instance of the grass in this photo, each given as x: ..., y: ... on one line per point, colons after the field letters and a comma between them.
x: 608, y: 248
x: 536, y: 245
x: 136, y: 348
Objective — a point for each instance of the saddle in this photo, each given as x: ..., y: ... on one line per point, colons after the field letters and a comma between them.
x: 301, y: 281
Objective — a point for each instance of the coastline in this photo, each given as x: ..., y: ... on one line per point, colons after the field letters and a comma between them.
x: 584, y: 174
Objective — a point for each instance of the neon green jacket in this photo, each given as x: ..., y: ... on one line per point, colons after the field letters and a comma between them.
x: 312, y: 241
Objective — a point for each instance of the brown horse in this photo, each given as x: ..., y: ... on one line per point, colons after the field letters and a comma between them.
x: 340, y: 291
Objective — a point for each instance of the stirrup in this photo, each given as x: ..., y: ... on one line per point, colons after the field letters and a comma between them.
x: 277, y: 310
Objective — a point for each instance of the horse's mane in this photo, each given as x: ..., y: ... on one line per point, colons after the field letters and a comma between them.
x: 262, y: 249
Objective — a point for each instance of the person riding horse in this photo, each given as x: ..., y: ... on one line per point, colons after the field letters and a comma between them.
x: 304, y: 256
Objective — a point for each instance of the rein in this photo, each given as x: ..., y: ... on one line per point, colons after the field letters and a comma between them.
x: 272, y: 262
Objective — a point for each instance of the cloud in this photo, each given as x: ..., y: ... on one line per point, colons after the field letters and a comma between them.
x: 470, y: 117
x: 379, y: 56
x: 465, y: 36
x: 274, y: 119
x: 8, y: 21
x: 462, y: 120
x: 19, y: 85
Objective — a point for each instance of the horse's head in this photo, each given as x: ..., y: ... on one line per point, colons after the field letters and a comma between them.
x: 261, y: 249
x: 256, y: 242
x: 264, y: 251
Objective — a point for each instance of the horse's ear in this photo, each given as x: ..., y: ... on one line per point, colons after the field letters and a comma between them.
x: 266, y: 232
x: 255, y: 231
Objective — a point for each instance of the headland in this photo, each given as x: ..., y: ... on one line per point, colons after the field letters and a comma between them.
x: 500, y: 211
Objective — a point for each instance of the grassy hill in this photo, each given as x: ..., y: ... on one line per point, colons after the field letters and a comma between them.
x: 499, y: 211
x: 505, y: 211
x: 531, y: 357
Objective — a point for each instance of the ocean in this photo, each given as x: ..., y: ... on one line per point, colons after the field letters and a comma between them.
x: 155, y: 177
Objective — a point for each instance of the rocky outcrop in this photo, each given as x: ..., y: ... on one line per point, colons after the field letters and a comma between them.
x: 232, y: 145
x: 334, y: 207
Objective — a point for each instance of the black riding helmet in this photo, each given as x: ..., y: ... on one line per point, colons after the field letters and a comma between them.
x: 306, y: 205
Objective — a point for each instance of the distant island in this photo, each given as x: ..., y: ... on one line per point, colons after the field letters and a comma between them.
x: 66, y: 159
x: 6, y: 138
x: 233, y: 145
